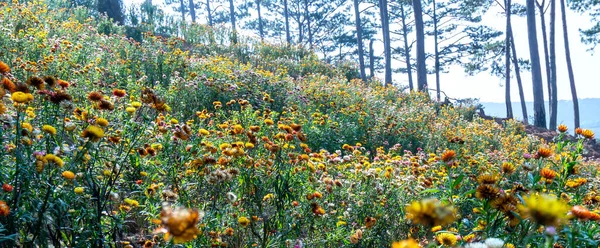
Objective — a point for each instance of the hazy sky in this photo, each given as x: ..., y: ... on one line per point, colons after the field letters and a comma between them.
x: 491, y: 89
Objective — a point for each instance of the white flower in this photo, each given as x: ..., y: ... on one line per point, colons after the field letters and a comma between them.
x: 231, y: 197
x: 476, y: 245
x: 494, y: 243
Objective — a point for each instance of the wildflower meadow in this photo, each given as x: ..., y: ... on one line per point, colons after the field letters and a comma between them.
x: 192, y: 142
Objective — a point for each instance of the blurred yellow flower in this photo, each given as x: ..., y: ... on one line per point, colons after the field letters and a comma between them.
x: 68, y: 175
x: 544, y: 209
x: 408, y: 243
x: 49, y: 129
x: 20, y: 97
x: 430, y: 212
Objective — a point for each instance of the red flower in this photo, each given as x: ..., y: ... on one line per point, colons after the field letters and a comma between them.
x: 7, y: 187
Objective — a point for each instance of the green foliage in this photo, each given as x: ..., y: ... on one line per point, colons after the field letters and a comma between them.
x: 245, y: 144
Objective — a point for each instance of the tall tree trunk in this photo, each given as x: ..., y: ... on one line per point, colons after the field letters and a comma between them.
x: 260, y: 23
x: 546, y: 52
x: 387, y: 51
x: 209, y: 13
x: 554, y: 100
x: 539, y: 110
x: 569, y: 64
x: 436, y: 51
x: 232, y: 16
x: 113, y: 9
x: 515, y: 61
x: 300, y: 21
x: 307, y: 18
x: 371, y: 59
x: 421, y: 66
x: 359, y: 41
x: 509, y: 111
x: 406, y: 48
x: 182, y: 9
x: 192, y: 10
x: 286, y: 15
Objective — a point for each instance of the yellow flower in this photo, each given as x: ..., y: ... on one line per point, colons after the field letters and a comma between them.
x: 94, y: 133
x: 436, y: 228
x: 78, y: 190
x: 204, y: 132
x: 179, y: 224
x: 49, y: 129
x: 102, y: 122
x: 407, y: 243
x: 136, y: 104
x: 268, y: 197
x: 130, y: 110
x: 68, y: 175
x: 131, y: 202
x: 446, y: 239
x: 269, y: 122
x: 53, y: 158
x: 430, y: 212
x: 243, y: 221
x: 20, y: 97
x: 544, y: 209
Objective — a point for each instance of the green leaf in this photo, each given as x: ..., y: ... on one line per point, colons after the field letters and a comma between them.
x: 433, y: 191
x: 458, y: 180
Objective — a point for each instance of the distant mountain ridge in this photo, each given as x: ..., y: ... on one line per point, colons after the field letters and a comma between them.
x: 589, y: 112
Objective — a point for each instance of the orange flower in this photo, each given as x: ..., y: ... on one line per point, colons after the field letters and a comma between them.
x: 581, y: 212
x: 4, y: 208
x: 370, y: 222
x: 95, y: 96
x: 562, y: 128
x: 594, y: 216
x: 548, y: 173
x: 588, y: 134
x: 179, y: 224
x: 94, y: 133
x: 119, y: 93
x: 4, y: 68
x: 578, y: 130
x: 544, y: 152
x: 68, y: 175
x: 9, y: 85
x: 448, y: 155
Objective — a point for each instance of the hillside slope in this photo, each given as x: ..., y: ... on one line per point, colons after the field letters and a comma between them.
x: 115, y: 142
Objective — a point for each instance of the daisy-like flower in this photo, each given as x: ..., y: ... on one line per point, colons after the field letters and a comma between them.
x: 548, y: 173
x: 179, y: 224
x: 430, y: 212
x: 4, y: 68
x: 49, y: 129
x: 587, y: 133
x: 544, y: 152
x: 447, y: 239
x: 544, y: 209
x: 494, y: 243
x: 21, y: 97
x: 448, y: 155
x: 476, y: 245
x: 4, y: 208
x: 243, y: 221
x: 102, y: 122
x: 94, y: 133
x: 562, y: 128
x: 408, y: 243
